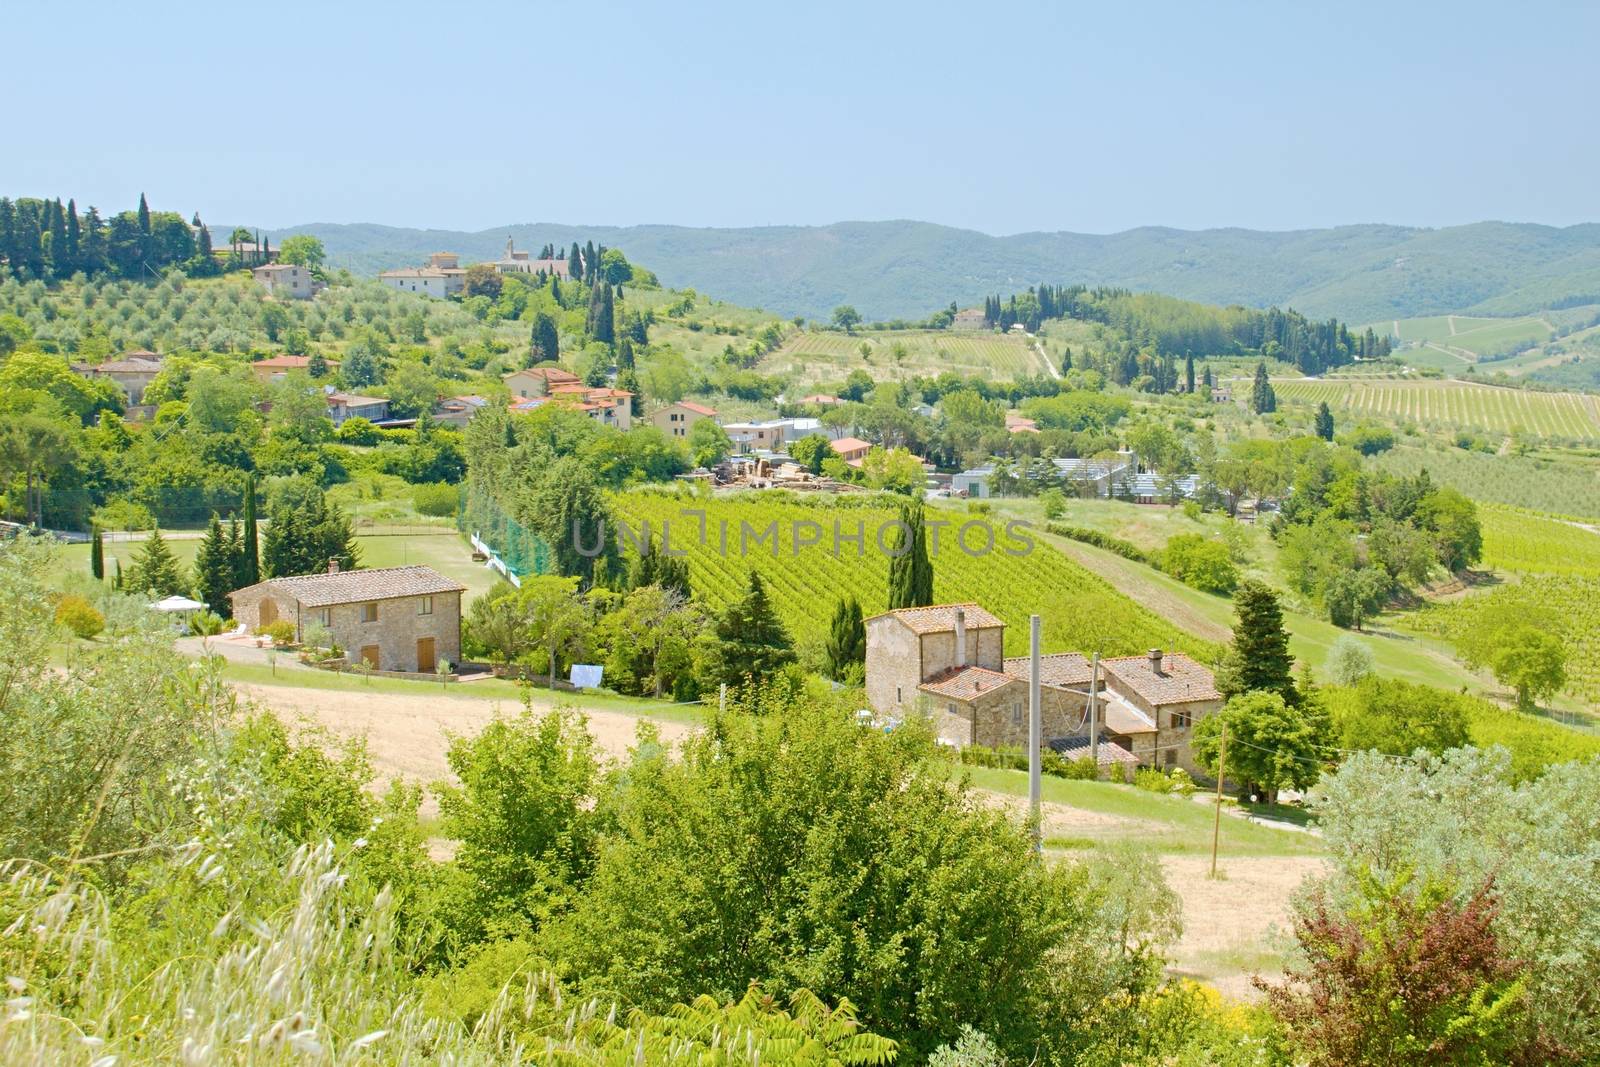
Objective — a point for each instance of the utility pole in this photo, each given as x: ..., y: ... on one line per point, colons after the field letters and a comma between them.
x: 1035, y: 730
x: 1094, y: 713
x: 722, y: 699
x: 1216, y: 824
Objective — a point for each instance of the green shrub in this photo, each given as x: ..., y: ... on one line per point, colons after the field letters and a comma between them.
x: 205, y: 624
x: 357, y: 431
x: 439, y: 499
x: 1083, y: 769
x: 79, y: 616
x: 1119, y: 773
x: 1200, y: 562
x: 1125, y: 549
x: 280, y: 630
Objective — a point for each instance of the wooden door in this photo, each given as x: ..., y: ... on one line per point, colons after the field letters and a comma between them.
x: 269, y: 612
x: 425, y: 660
x: 370, y: 654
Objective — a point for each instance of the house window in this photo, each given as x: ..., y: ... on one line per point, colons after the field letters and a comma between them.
x: 1181, y: 720
x: 1016, y: 713
x: 369, y: 613
x: 897, y: 699
x: 425, y: 605
x: 325, y: 616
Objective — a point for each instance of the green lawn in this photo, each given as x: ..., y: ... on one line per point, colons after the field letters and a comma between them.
x: 1175, y: 825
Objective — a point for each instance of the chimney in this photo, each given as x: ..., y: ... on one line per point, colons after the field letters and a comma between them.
x: 1155, y: 661
x: 961, y: 638
x: 333, y: 564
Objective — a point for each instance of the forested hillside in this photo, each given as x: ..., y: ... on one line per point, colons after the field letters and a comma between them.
x: 903, y: 269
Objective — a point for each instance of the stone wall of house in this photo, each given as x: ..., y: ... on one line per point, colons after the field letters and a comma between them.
x: 985, y: 648
x: 395, y: 632
x: 992, y: 719
x: 1171, y: 742
x: 893, y: 663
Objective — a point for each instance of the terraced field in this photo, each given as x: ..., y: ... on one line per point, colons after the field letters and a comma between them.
x: 826, y: 356
x: 1571, y: 416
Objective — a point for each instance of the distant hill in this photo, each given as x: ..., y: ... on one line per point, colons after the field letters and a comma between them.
x: 907, y: 269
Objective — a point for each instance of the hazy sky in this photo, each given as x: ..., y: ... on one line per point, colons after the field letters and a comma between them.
x: 994, y: 116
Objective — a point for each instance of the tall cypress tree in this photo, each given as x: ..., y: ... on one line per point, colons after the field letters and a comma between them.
x: 250, y: 556
x: 751, y: 642
x: 847, y: 637
x: 910, y: 571
x: 1263, y: 400
x: 97, y: 555
x: 545, y: 341
x: 1324, y: 421
x: 144, y: 216
x: 1188, y: 372
x: 1259, y: 658
x: 74, y: 237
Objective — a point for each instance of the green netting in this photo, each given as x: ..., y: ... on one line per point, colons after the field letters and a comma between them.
x: 523, y: 551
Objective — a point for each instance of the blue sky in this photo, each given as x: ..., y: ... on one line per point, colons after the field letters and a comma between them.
x: 998, y: 117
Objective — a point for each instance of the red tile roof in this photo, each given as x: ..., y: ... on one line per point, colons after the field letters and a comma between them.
x: 851, y: 444
x: 1057, y: 668
x: 359, y: 586
x: 290, y: 362
x: 938, y: 618
x: 698, y: 409
x: 965, y: 683
x: 1181, y: 679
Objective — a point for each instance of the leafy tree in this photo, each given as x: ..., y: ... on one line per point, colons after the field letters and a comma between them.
x: 303, y: 249
x: 810, y: 451
x: 1531, y: 661
x: 215, y: 570
x: 1355, y: 594
x: 749, y: 643
x: 910, y: 570
x: 155, y: 569
x: 305, y: 534
x: 1198, y: 561
x: 846, y: 318
x: 498, y: 626
x: 1350, y: 661
x: 568, y: 511
x: 615, y: 268
x: 847, y: 639
x: 413, y: 390
x: 558, y: 621
x: 1324, y: 422
x: 1400, y: 718
x: 1262, y: 398
x: 522, y: 816
x: 1453, y: 520
x: 709, y: 443
x: 1271, y: 746
x: 1407, y: 976
x: 1258, y: 659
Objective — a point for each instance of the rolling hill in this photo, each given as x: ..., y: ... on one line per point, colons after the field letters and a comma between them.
x: 906, y: 269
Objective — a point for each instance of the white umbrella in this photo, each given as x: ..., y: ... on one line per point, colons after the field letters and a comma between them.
x: 177, y: 603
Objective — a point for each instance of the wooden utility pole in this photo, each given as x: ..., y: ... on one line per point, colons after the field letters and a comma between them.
x: 1216, y: 824
x: 1094, y: 713
x: 1035, y: 732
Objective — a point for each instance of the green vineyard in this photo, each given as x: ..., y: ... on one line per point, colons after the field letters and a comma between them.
x: 1569, y: 416
x: 822, y: 356
x: 1528, y: 542
x: 1079, y: 610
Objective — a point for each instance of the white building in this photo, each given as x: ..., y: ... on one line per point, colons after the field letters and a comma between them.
x: 443, y: 276
x: 287, y: 280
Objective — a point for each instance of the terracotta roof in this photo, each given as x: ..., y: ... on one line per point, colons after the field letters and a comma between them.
x: 937, y: 618
x: 850, y: 444
x: 290, y: 362
x: 548, y: 373
x: 360, y: 586
x: 698, y: 409
x: 820, y: 398
x: 1058, y: 668
x: 130, y: 364
x: 965, y: 683
x: 1108, y: 753
x: 1181, y: 679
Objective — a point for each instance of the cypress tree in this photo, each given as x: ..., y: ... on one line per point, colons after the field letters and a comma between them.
x: 74, y: 236
x: 1066, y: 359
x: 250, y: 556
x: 1188, y: 372
x: 1206, y: 378
x: 847, y: 637
x: 575, y: 264
x: 144, y: 216
x: 910, y: 571
x: 1324, y: 423
x: 60, y: 260
x: 117, y: 585
x: 214, y: 570
x: 1263, y: 400
x: 97, y: 555
x: 546, y: 342
x: 1259, y: 658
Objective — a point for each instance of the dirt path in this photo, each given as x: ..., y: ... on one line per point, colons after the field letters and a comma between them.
x: 1237, y: 925
x: 407, y: 736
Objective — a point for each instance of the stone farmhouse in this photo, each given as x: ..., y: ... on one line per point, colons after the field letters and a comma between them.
x: 395, y: 618
x: 514, y: 262
x: 287, y: 280
x: 947, y: 662
x: 133, y: 373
